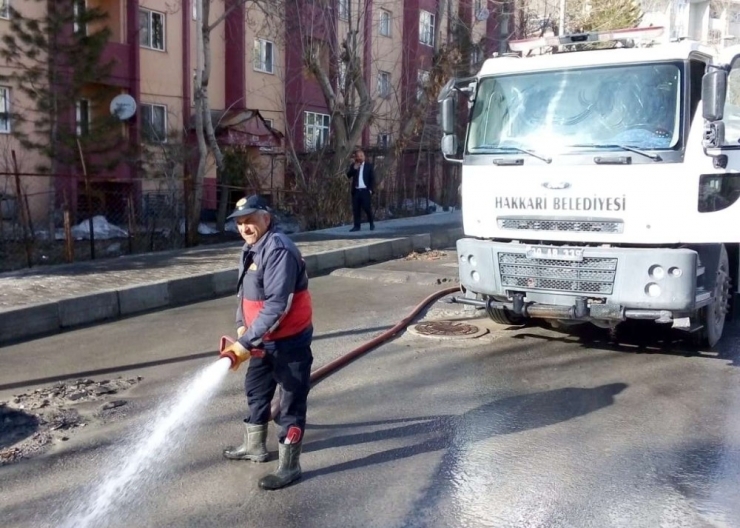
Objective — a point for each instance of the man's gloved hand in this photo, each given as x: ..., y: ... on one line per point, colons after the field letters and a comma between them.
x: 241, y: 331
x: 238, y: 354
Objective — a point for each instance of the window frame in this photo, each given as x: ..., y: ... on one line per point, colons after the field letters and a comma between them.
x: 262, y: 47
x: 5, y: 113
x: 325, y: 140
x: 79, y: 29
x: 384, y: 89
x: 150, y: 33
x: 386, y: 18
x: 150, y: 108
x: 78, y: 117
x: 4, y: 9
x: 343, y: 9
x: 427, y: 30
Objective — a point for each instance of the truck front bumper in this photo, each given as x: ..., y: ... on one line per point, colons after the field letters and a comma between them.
x: 602, y: 283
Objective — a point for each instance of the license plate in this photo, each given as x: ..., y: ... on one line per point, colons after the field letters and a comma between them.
x: 555, y: 253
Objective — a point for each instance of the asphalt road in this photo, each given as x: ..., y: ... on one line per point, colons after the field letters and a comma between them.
x: 523, y: 427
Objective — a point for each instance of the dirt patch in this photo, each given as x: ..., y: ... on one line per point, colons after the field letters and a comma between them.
x: 433, y: 254
x: 31, y: 422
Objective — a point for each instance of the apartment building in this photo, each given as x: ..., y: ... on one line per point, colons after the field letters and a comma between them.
x: 262, y: 96
x: 715, y: 23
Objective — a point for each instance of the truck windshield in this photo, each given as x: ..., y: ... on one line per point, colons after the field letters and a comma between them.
x: 594, y: 107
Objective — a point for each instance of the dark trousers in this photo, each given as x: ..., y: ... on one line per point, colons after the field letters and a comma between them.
x: 291, y: 369
x: 361, y: 202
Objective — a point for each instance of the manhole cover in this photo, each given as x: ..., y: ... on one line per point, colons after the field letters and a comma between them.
x: 447, y: 329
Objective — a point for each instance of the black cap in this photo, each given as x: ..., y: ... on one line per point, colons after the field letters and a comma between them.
x: 247, y: 206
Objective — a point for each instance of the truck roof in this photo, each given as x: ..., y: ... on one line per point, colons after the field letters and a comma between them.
x: 600, y: 57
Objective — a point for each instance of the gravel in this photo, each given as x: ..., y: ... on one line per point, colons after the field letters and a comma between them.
x: 32, y: 422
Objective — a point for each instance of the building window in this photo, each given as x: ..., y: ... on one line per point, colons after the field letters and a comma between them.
x: 316, y: 130
x: 5, y: 9
x: 79, y: 7
x: 384, y: 140
x: 151, y: 29
x: 83, y: 117
x: 263, y: 56
x: 343, y: 9
x: 426, y: 28
x: 4, y: 110
x: 422, y: 81
x: 384, y: 84
x: 268, y: 122
x: 154, y: 123
x: 385, y: 23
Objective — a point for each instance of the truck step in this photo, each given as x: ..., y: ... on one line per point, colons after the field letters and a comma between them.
x: 703, y: 297
x: 692, y: 329
x: 700, y: 271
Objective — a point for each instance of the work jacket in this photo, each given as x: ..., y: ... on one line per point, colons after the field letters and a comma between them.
x: 274, y: 301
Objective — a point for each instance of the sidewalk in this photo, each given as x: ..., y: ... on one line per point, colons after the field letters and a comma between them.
x: 45, y: 300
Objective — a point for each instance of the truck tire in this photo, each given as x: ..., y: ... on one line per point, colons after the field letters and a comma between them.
x: 713, y: 316
x: 505, y: 317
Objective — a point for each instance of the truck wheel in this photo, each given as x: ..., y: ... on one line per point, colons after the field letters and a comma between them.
x: 505, y: 317
x: 713, y: 316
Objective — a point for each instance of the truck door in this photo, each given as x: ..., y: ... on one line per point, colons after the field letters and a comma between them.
x: 718, y: 204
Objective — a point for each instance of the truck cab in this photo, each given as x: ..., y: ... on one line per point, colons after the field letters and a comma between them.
x: 591, y: 189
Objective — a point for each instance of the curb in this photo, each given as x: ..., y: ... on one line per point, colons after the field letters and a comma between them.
x: 39, y: 320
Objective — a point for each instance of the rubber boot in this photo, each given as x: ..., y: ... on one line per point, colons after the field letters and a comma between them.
x: 254, y: 447
x: 289, y: 468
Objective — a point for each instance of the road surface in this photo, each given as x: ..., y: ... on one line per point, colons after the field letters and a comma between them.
x: 522, y: 427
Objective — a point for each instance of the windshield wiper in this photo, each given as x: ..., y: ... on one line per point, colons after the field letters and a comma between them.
x: 518, y: 149
x: 654, y: 157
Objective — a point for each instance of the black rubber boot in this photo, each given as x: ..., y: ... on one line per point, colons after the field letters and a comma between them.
x: 289, y: 468
x: 253, y: 448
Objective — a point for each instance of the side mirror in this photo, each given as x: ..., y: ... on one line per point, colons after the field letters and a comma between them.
x: 447, y: 115
x: 449, y: 148
x: 713, y: 93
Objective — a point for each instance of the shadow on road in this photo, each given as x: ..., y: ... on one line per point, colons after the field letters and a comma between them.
x: 456, y: 433
x: 643, y: 337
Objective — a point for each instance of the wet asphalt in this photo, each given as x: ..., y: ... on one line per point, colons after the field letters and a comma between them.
x: 523, y: 427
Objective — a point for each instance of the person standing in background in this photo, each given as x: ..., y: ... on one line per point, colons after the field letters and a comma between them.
x: 362, y: 177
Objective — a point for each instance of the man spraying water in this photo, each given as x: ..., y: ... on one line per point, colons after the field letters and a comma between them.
x: 274, y: 332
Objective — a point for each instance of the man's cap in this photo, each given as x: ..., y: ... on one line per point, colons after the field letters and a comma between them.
x: 247, y: 206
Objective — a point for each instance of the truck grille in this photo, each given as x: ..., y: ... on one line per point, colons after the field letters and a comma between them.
x: 591, y: 275
x: 576, y: 226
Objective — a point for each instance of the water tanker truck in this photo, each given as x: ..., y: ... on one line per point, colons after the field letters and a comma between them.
x: 600, y: 181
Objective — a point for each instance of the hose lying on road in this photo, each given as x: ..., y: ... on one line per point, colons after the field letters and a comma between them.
x: 333, y: 366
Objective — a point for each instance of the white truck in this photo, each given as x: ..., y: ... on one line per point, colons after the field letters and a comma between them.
x: 600, y: 185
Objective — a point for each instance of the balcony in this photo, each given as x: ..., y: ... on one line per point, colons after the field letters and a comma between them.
x: 120, y: 55
x: 118, y: 50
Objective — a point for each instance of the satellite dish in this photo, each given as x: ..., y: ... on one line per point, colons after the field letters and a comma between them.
x: 483, y: 14
x: 123, y: 107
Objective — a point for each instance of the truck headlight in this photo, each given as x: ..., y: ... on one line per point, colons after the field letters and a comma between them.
x: 656, y: 272
x: 653, y: 290
x: 475, y: 276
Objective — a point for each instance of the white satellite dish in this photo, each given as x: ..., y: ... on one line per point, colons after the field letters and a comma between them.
x: 123, y: 107
x: 482, y: 14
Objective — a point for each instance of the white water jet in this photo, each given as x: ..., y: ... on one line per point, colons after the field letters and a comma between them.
x: 142, y: 459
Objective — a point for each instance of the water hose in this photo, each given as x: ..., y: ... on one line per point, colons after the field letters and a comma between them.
x: 333, y: 366
x: 342, y: 361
